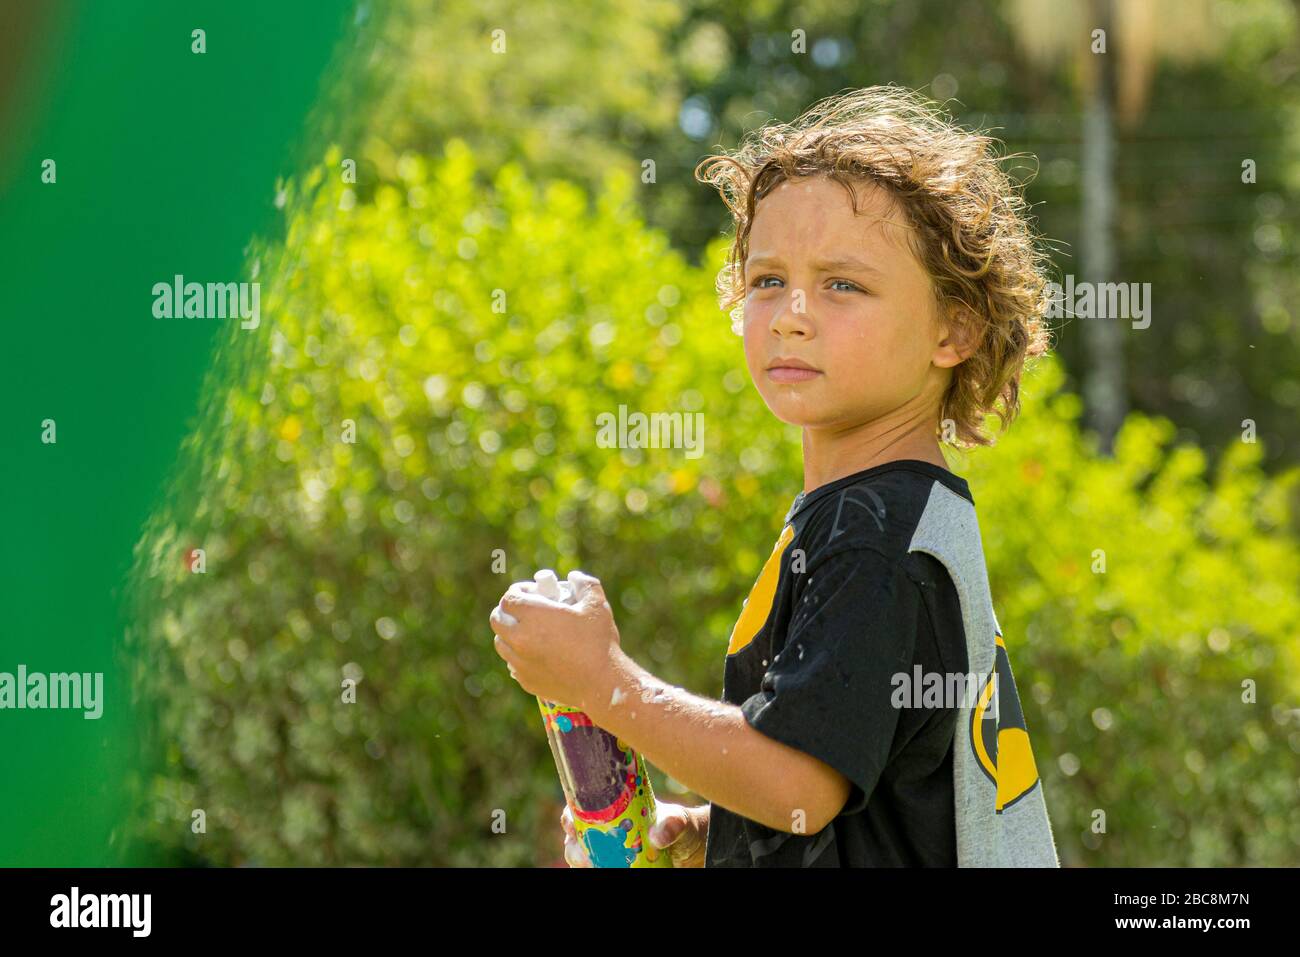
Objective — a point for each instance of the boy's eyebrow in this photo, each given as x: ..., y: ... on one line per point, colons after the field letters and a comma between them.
x: 822, y: 265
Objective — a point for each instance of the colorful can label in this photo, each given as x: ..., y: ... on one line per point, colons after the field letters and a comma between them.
x: 608, y: 790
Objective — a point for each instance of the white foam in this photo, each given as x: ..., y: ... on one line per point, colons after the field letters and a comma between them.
x: 549, y: 586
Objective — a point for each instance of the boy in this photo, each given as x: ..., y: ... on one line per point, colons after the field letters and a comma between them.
x: 886, y: 283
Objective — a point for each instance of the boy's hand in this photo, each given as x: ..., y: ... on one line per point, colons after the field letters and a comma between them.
x: 683, y: 830
x: 575, y: 855
x: 563, y: 653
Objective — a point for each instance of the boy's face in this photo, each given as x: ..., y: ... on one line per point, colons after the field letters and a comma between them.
x: 869, y: 330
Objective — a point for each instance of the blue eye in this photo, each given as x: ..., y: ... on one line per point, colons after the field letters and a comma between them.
x: 853, y: 287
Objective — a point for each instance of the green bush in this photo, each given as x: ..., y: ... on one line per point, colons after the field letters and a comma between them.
x: 1139, y: 599
x: 472, y: 333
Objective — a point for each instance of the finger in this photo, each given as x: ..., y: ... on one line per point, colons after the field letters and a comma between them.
x: 583, y: 582
x: 501, y: 620
x: 528, y: 590
x: 591, y: 593
x: 566, y: 822
x: 516, y: 601
x: 689, y: 847
x: 666, y: 831
x: 575, y: 855
x: 502, y: 648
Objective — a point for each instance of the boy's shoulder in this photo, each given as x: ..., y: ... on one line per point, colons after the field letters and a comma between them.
x: 883, y: 509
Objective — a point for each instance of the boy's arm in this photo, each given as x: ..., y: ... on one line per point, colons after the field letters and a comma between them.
x: 708, y: 746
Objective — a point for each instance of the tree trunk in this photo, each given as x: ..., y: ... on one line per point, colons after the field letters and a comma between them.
x: 1105, y: 394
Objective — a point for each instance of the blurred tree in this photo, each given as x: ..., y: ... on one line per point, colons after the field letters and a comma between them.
x: 557, y: 87
x: 1114, y: 51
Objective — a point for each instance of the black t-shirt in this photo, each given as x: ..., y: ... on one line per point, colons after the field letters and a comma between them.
x: 839, y: 609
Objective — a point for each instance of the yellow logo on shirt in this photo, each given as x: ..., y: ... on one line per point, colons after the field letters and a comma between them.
x: 759, y: 603
x: 1001, y: 743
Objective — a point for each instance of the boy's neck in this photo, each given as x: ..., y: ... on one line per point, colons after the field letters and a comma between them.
x: 831, y: 454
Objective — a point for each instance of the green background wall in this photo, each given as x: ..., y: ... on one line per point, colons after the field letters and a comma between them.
x: 166, y: 163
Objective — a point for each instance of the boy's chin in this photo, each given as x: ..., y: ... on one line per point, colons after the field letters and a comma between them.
x: 792, y: 413
x: 807, y: 414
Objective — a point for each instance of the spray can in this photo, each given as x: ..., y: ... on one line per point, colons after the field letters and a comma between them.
x: 604, y: 780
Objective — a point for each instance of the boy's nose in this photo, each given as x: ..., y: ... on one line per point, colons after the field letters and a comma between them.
x: 787, y: 322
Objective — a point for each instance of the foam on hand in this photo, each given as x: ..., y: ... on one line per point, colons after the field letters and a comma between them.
x: 549, y: 586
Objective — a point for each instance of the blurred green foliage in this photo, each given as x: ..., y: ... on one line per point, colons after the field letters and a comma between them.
x: 471, y: 335
x: 1153, y: 610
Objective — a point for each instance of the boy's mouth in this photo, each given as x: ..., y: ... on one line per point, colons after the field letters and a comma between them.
x: 791, y: 370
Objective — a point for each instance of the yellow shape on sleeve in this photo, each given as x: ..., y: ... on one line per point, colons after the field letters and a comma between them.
x: 759, y: 603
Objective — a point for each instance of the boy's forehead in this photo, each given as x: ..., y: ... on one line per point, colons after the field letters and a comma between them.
x: 816, y: 215
x: 870, y: 193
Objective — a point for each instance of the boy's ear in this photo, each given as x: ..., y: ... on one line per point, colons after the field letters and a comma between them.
x: 958, y: 337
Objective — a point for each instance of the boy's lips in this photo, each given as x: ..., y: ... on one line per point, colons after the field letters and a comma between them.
x: 788, y: 374
x: 791, y: 370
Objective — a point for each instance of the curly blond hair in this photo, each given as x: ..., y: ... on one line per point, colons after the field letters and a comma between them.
x: 970, y: 228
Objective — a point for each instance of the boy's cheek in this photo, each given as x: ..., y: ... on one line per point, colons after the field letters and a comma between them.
x: 753, y: 361
x: 758, y: 335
